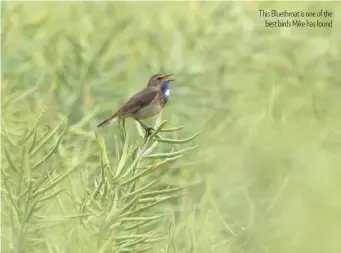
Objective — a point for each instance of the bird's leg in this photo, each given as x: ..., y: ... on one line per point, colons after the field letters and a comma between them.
x: 146, y: 128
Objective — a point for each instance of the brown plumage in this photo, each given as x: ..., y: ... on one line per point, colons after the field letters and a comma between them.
x: 144, y: 104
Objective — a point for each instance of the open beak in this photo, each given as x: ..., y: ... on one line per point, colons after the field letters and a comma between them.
x: 167, y: 77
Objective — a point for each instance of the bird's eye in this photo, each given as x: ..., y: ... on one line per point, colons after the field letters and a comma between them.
x: 159, y: 78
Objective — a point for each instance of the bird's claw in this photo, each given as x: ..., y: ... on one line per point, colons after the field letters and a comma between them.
x: 149, y: 131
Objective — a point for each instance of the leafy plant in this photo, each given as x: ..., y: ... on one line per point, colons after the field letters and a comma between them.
x: 120, y: 210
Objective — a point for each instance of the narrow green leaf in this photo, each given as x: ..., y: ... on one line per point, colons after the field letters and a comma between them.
x: 29, y: 201
x: 86, y: 206
x: 116, y: 212
x: 31, y: 210
x: 114, y: 203
x: 164, y: 162
x: 125, y: 250
x: 13, y: 209
x: 158, y: 119
x: 51, y: 151
x: 123, y: 159
x: 132, y: 166
x: 139, y: 129
x: 98, y: 189
x: 141, y: 189
x: 130, y: 244
x: 159, y: 128
x: 104, y: 156
x: 15, y: 98
x: 58, y: 180
x: 134, y: 236
x: 161, y: 139
x: 34, y: 127
x: 52, y: 195
x: 5, y: 134
x: 138, y: 175
x: 51, y: 219
x: 138, y: 224
x: 10, y: 161
x: 151, y: 149
x: 33, y: 143
x: 44, y: 179
x: 41, y: 144
x: 143, y: 218
x: 82, y: 133
x: 146, y: 207
x: 26, y: 163
x: 169, y: 155
x: 163, y: 192
x: 152, y: 199
x: 145, y: 249
x: 108, y: 244
x: 175, y: 129
x: 11, y: 197
x: 105, y: 190
x: 122, y: 128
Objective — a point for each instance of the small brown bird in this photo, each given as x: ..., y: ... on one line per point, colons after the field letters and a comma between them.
x: 144, y: 104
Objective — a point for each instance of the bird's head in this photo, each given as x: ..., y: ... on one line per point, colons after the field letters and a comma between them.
x: 161, y: 81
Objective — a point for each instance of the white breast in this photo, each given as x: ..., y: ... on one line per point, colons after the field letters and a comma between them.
x: 167, y: 93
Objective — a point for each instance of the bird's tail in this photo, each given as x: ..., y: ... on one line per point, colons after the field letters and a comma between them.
x: 113, y: 118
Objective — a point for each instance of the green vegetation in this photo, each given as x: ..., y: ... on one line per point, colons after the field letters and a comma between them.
x: 264, y: 175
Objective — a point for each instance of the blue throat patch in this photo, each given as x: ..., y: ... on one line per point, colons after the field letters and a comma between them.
x: 165, y: 91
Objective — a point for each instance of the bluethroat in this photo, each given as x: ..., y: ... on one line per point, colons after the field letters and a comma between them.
x: 144, y: 104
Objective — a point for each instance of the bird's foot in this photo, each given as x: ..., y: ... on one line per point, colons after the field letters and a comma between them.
x: 148, y: 132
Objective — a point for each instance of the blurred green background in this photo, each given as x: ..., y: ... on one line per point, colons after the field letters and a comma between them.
x: 268, y: 162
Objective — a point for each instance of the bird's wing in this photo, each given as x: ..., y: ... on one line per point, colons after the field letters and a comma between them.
x: 139, y: 100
